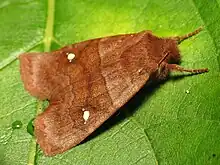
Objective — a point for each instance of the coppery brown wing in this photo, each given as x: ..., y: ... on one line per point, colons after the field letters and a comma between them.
x: 103, y: 76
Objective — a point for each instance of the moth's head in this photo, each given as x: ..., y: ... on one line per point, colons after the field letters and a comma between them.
x: 171, y: 47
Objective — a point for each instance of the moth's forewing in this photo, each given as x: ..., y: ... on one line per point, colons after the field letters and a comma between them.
x: 102, y: 77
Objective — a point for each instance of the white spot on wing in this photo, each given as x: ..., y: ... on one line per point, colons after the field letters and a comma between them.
x: 85, y: 116
x: 139, y: 70
x: 70, y: 56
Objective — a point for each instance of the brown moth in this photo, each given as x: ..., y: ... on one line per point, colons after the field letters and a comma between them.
x: 89, y: 81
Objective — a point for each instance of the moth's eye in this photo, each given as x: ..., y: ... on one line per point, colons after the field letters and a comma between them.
x: 174, y: 55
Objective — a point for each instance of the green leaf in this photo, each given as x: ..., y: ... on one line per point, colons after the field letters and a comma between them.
x: 177, y: 122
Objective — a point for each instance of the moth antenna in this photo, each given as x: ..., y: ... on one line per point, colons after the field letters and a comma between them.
x: 179, y: 39
x: 181, y: 69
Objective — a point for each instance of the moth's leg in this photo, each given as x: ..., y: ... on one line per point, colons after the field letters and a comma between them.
x: 186, y: 36
x: 163, y: 59
x: 176, y: 67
